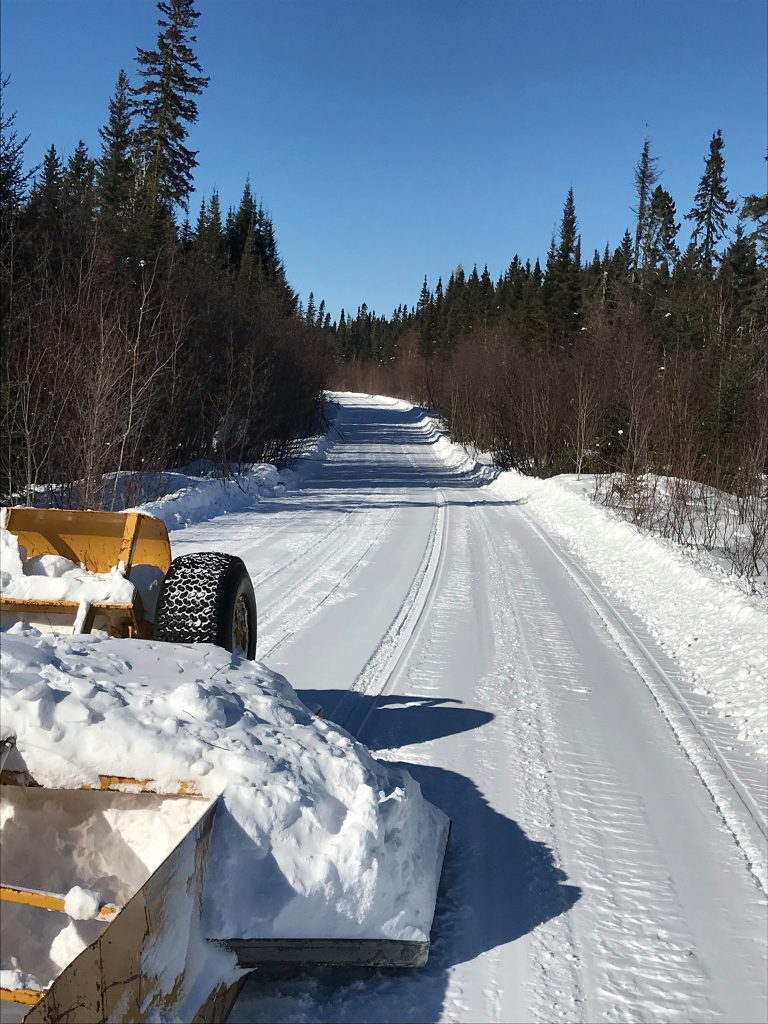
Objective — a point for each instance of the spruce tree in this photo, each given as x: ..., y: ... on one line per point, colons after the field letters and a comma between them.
x: 241, y: 224
x: 114, y: 169
x: 209, y: 232
x: 78, y: 194
x: 741, y: 278
x: 79, y: 178
x: 426, y: 315
x: 563, y: 285
x: 646, y: 177
x: 45, y: 203
x: 165, y: 105
x: 755, y: 209
x: 13, y: 179
x: 711, y: 205
x: 660, y: 242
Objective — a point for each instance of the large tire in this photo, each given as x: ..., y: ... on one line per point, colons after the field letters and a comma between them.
x: 207, y: 598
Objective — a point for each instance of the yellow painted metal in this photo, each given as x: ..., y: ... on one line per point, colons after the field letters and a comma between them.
x: 97, y: 540
x: 27, y: 996
x: 123, y: 782
x: 112, y: 783
x: 48, y: 901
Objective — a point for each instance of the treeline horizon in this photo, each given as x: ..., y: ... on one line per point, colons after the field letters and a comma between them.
x: 644, y: 361
x: 545, y: 367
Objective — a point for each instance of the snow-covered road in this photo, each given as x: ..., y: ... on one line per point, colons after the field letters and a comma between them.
x: 590, y: 874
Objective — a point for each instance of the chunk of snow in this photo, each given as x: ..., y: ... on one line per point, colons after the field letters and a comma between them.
x: 82, y: 904
x: 12, y: 557
x: 12, y: 978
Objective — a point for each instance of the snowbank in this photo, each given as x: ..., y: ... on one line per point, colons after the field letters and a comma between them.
x: 189, y: 498
x: 313, y: 838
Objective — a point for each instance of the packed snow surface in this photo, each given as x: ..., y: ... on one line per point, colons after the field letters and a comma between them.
x: 716, y: 632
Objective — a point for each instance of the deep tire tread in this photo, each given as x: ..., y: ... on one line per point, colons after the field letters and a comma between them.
x: 193, y: 602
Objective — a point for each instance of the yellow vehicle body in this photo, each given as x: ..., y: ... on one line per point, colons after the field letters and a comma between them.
x: 98, y: 541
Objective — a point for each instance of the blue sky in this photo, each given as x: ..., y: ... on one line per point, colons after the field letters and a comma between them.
x: 393, y: 139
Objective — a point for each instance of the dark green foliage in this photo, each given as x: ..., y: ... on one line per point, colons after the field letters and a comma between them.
x: 114, y: 169
x: 711, y: 206
x: 164, y: 104
x: 13, y: 179
x: 646, y: 177
x: 661, y: 231
x: 78, y: 192
x: 563, y: 283
x: 208, y: 239
x: 755, y: 209
x: 45, y: 210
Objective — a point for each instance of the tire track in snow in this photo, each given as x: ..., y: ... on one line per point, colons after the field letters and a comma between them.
x: 735, y: 803
x: 513, y: 694
x: 341, y: 552
x: 380, y: 671
x: 367, y: 498
x: 630, y: 970
x: 297, y: 555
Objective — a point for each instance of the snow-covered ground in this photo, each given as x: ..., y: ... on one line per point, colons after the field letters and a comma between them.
x: 585, y: 704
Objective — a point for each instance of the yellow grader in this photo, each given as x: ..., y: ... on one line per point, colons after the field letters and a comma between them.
x: 83, y: 835
x: 199, y: 598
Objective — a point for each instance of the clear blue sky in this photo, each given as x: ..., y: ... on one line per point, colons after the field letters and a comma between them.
x: 390, y: 139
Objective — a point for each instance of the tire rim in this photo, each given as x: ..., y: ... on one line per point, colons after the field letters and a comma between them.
x: 241, y: 631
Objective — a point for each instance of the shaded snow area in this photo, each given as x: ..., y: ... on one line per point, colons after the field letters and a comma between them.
x: 314, y: 838
x: 185, y: 498
x: 94, y: 848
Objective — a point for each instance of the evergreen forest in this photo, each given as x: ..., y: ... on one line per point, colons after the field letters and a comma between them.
x: 131, y: 338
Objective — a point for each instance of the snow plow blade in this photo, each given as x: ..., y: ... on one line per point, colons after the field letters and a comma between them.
x: 135, y: 969
x: 115, y: 977
x: 254, y: 953
x: 96, y: 540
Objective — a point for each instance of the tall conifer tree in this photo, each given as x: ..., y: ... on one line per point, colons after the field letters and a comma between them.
x: 661, y: 231
x: 563, y: 286
x: 711, y: 205
x: 646, y: 177
x: 114, y: 168
x: 13, y: 179
x: 165, y: 105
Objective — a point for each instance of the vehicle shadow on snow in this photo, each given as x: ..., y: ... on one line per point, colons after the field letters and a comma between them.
x: 399, y: 721
x: 498, y: 885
